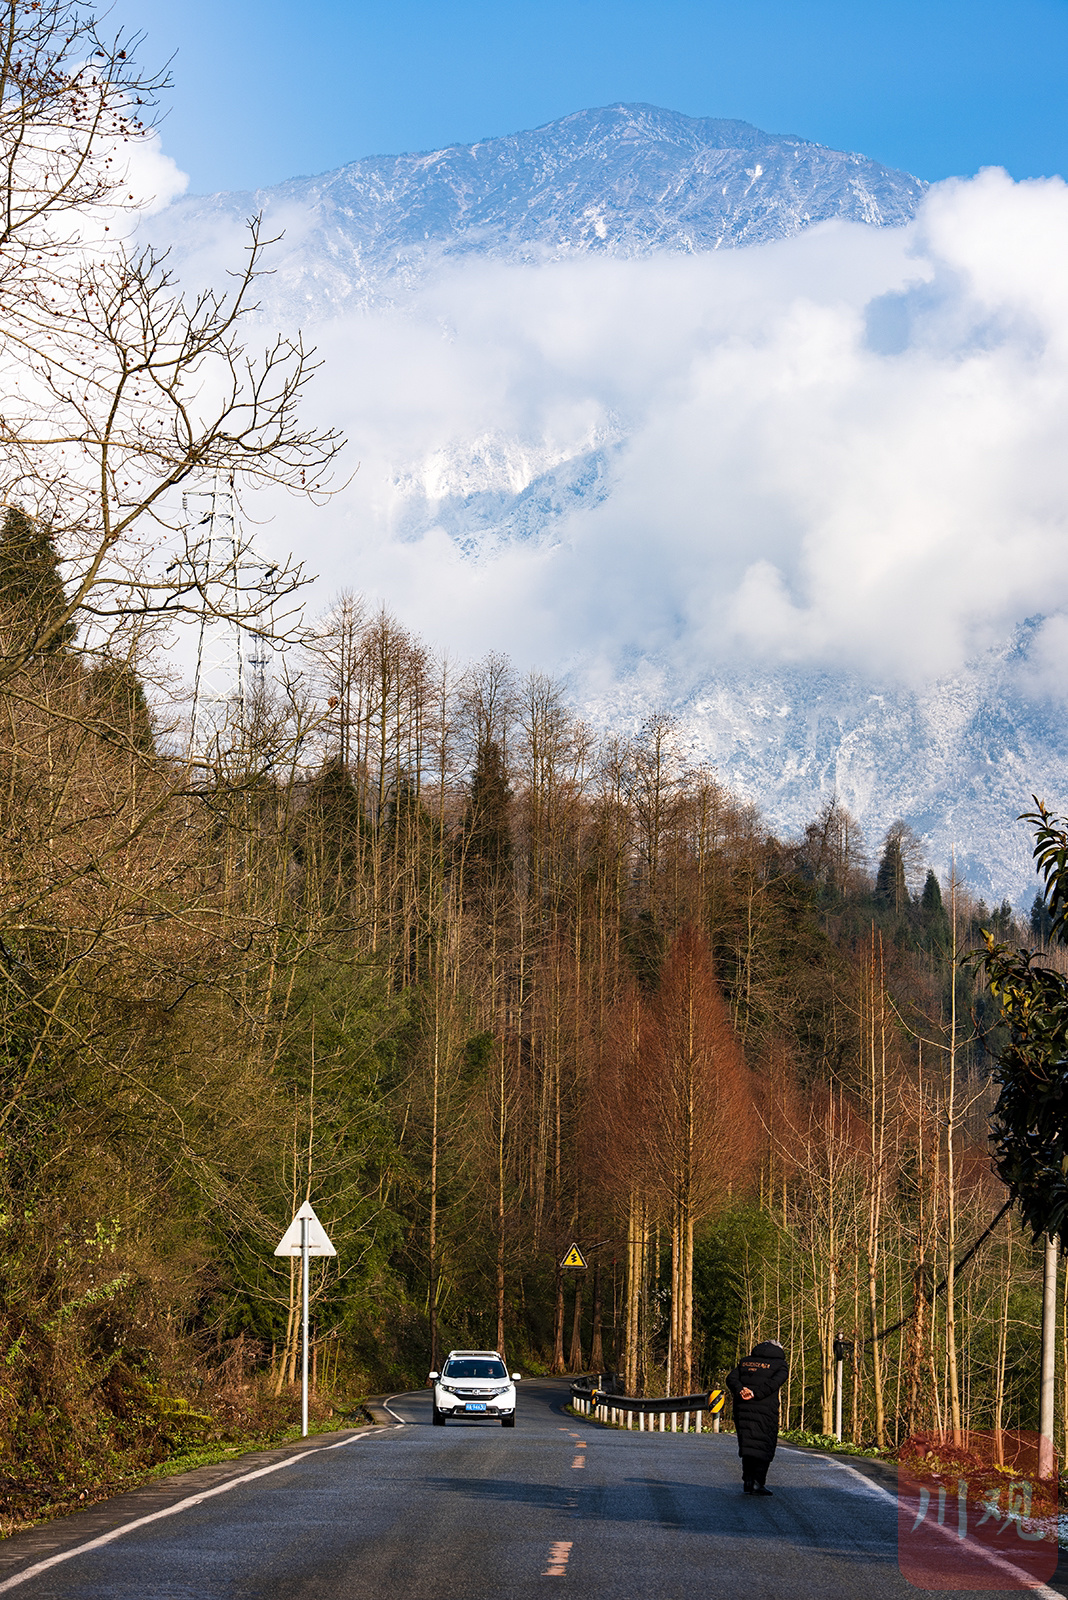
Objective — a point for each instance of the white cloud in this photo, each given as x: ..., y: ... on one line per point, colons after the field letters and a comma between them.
x: 154, y: 179
x: 845, y: 449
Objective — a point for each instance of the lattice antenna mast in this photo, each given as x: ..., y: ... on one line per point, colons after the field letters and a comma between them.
x: 234, y: 583
x: 219, y: 647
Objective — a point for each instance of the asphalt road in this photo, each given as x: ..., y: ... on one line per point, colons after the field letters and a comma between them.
x: 473, y: 1511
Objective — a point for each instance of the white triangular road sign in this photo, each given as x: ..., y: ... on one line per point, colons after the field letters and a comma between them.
x: 318, y: 1243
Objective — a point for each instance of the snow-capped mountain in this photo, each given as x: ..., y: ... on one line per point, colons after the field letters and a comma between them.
x: 542, y: 438
x: 622, y: 181
x: 959, y: 759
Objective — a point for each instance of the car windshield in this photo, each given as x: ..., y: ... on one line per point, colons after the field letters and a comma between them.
x: 468, y: 1368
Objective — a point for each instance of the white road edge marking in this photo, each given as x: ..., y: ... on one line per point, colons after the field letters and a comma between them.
x: 387, y: 1407
x: 992, y: 1557
x: 171, y: 1511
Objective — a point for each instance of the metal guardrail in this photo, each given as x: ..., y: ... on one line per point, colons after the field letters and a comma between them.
x: 604, y: 1382
x: 605, y: 1405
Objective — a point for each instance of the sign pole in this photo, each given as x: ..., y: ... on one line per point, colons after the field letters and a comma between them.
x: 1046, y: 1453
x: 304, y: 1237
x: 304, y: 1340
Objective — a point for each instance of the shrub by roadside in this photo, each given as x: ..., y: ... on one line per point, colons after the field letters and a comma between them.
x: 77, y: 1436
x: 828, y: 1442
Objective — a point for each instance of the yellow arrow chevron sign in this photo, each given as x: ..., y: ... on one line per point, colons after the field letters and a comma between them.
x: 574, y: 1258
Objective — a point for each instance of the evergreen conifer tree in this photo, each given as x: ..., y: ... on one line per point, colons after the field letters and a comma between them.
x: 122, y: 704
x: 935, y: 921
x: 890, y: 885
x: 330, y: 841
x: 931, y: 899
x: 1041, y: 921
x: 489, y: 836
x: 32, y: 598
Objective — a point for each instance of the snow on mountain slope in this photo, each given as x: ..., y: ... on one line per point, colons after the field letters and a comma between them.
x: 624, y: 181
x: 959, y: 759
x: 613, y: 391
x: 496, y: 490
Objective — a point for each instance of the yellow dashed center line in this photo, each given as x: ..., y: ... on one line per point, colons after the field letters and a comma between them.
x: 558, y: 1557
x: 579, y: 1461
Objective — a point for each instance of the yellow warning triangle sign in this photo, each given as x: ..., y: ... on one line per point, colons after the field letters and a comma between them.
x: 574, y: 1258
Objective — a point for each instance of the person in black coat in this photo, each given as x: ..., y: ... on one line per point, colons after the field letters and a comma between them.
x: 754, y: 1385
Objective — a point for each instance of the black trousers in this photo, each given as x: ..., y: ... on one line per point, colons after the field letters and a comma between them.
x: 754, y: 1470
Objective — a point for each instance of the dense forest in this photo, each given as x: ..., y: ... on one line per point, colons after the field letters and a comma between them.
x: 420, y: 947
x: 407, y: 940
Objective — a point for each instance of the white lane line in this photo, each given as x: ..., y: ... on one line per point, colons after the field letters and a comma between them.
x: 387, y: 1407
x: 991, y: 1556
x: 558, y: 1558
x: 172, y: 1511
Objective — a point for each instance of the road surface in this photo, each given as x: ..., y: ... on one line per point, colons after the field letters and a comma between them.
x: 473, y: 1511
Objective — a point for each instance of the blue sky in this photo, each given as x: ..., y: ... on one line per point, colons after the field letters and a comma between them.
x: 267, y: 91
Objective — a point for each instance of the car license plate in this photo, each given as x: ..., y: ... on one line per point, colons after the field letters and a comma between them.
x: 475, y: 1405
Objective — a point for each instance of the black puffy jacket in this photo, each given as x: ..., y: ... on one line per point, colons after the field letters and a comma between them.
x: 757, y: 1421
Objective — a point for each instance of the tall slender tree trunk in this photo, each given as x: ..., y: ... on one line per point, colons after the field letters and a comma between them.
x: 878, y: 1133
x: 951, y: 1193
x: 596, y: 1349
x: 633, y: 1297
x: 1003, y: 1346
x: 501, y: 1124
x: 432, y: 1240
x: 558, y: 1320
x: 575, y: 1357
x: 673, y: 1324
x: 687, y: 1310
x: 916, y: 1341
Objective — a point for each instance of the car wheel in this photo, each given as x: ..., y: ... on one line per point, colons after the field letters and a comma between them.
x: 508, y: 1422
x: 439, y: 1418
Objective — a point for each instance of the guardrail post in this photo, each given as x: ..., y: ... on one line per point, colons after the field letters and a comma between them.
x: 699, y: 1416
x: 661, y: 1422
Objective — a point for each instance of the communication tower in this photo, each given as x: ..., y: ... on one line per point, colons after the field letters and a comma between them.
x: 230, y: 580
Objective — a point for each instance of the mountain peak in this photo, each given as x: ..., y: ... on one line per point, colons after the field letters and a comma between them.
x: 622, y: 180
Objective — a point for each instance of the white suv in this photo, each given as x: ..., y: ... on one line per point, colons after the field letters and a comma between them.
x: 474, y: 1383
